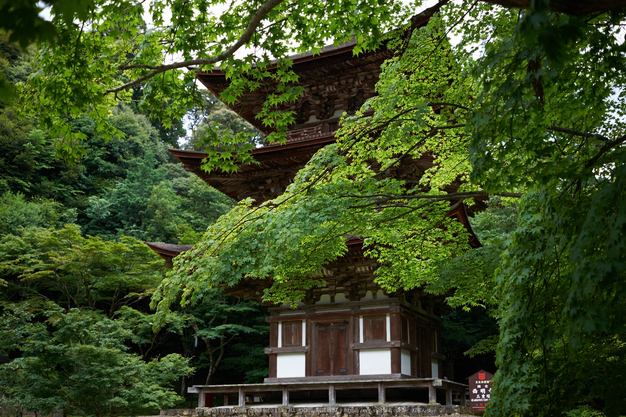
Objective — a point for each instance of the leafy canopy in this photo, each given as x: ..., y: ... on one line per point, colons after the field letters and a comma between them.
x: 538, y: 112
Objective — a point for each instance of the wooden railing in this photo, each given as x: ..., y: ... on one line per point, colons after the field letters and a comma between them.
x: 332, y: 386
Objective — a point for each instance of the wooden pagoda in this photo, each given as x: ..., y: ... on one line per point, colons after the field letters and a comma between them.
x: 349, y: 334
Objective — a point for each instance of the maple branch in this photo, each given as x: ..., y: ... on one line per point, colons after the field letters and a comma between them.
x: 577, y: 133
x: 569, y: 7
x: 254, y: 23
x: 386, y: 198
x: 604, y: 149
x: 417, y: 21
x: 444, y: 103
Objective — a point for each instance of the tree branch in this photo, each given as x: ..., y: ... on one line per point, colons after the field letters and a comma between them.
x: 254, y: 23
x: 418, y: 20
x: 577, y: 133
x: 570, y: 7
x: 604, y: 149
x: 434, y: 104
x: 386, y: 198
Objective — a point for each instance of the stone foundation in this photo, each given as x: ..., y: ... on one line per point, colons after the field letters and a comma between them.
x: 337, y: 411
x: 180, y: 412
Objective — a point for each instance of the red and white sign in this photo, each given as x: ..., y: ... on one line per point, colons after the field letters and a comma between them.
x: 480, y: 390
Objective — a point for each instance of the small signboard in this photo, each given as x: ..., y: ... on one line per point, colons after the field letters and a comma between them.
x: 480, y: 390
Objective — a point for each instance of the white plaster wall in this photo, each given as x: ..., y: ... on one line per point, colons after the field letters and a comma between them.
x: 435, y: 368
x: 374, y: 361
x: 360, y: 329
x: 368, y: 296
x: 338, y: 113
x: 340, y: 298
x: 324, y: 299
x: 290, y: 365
x: 405, y: 365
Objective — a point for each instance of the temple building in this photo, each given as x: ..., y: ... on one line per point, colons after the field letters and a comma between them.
x: 349, y: 335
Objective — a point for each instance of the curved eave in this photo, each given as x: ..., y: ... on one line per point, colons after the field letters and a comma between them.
x: 459, y: 211
x: 331, y: 63
x: 168, y: 251
x: 266, y: 152
x: 328, y: 62
x: 276, y: 167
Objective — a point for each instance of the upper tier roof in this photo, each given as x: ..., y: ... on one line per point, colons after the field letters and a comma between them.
x: 276, y: 168
x: 334, y: 80
x: 278, y: 164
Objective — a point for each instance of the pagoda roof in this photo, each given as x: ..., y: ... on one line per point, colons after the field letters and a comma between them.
x: 276, y: 167
x: 335, y: 63
x: 332, y: 63
x: 459, y: 212
x: 354, y: 261
x: 168, y: 251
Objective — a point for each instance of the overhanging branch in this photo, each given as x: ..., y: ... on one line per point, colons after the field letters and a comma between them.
x: 570, y: 7
x: 573, y: 132
x: 254, y: 23
x: 386, y: 199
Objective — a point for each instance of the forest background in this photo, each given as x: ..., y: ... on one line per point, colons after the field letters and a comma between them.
x: 76, y: 326
x: 76, y: 271
x: 537, y: 116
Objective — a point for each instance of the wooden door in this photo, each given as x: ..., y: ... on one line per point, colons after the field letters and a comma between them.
x: 339, y: 348
x: 331, y: 349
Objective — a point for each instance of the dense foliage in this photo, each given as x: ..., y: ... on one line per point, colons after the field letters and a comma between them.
x: 76, y: 330
x: 500, y: 125
x: 528, y: 104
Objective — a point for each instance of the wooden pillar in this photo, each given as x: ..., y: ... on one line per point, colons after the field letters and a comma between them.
x: 285, y: 396
x: 351, y: 341
x: 448, y: 395
x: 273, y: 344
x: 381, y: 393
x: 273, y: 334
x: 413, y: 340
x: 463, y: 396
x: 432, y: 393
x: 273, y: 366
x: 225, y: 399
x: 395, y: 334
x: 332, y: 396
x: 242, y: 397
x: 396, y: 360
x: 200, y: 397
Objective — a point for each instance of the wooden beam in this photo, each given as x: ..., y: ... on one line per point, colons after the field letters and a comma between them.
x: 287, y: 349
x: 380, y: 344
